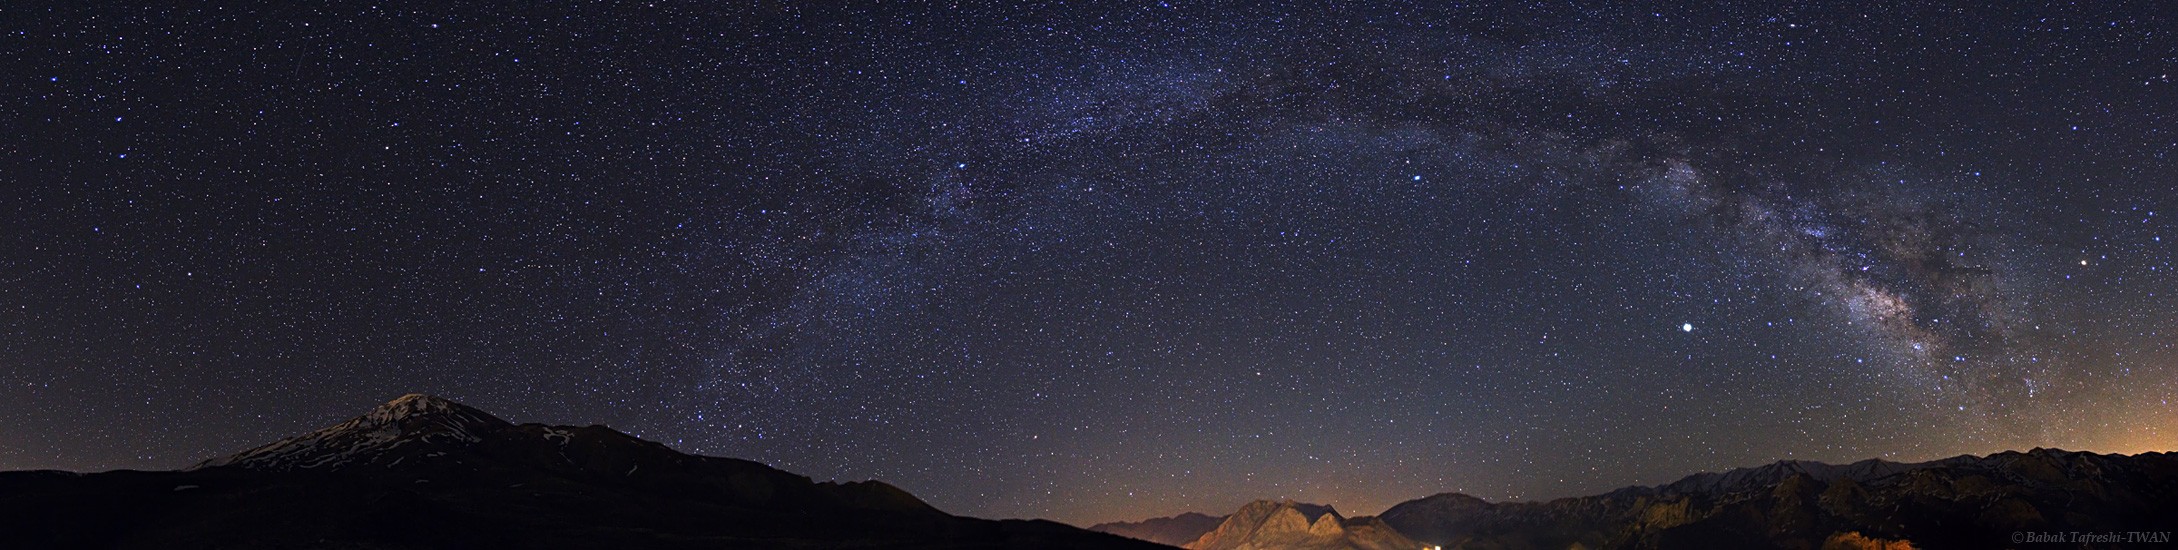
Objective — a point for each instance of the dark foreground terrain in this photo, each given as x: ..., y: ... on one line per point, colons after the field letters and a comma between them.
x: 423, y: 472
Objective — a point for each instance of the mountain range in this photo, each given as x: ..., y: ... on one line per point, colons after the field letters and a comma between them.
x: 1959, y: 502
x: 424, y: 472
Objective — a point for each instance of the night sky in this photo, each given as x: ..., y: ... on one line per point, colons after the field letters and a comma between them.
x: 1100, y: 262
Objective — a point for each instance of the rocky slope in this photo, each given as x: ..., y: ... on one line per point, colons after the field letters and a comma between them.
x: 1173, y: 531
x: 1963, y: 502
x: 1266, y: 525
x: 423, y: 472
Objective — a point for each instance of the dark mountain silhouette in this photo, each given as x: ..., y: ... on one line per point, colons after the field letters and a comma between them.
x: 1266, y: 525
x: 1174, y: 531
x: 423, y: 472
x: 1961, y: 502
x: 1742, y: 479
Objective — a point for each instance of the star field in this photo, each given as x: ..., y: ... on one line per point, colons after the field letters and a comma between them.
x: 1100, y: 262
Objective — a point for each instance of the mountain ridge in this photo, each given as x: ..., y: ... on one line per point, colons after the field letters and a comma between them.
x: 1172, y: 530
x: 425, y: 472
x: 1957, y: 502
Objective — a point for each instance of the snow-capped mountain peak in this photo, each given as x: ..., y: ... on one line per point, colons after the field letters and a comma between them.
x: 411, y: 419
x: 417, y: 405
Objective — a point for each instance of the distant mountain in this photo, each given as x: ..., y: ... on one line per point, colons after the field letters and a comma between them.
x: 1961, y: 502
x: 1267, y: 525
x: 1742, y: 479
x: 423, y: 472
x: 1173, y: 531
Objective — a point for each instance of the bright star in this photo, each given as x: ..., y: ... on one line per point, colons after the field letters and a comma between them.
x: 1686, y: 327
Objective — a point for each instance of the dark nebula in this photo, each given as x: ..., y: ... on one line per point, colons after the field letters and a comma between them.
x: 1100, y: 262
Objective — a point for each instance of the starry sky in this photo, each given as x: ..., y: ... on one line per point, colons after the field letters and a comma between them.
x: 1098, y: 262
